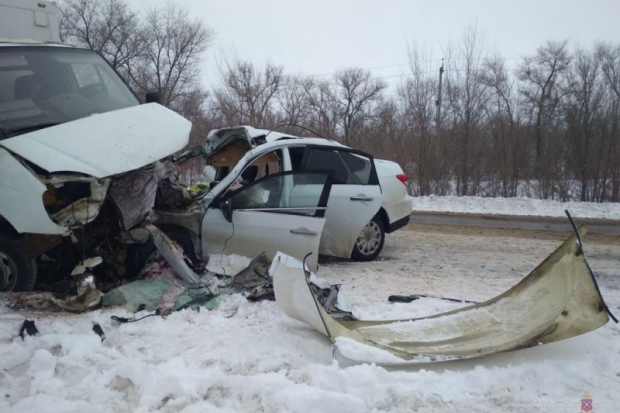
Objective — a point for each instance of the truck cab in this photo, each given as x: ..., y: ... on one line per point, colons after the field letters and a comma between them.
x: 80, y: 156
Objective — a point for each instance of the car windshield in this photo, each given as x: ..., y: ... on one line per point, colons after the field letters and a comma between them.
x: 45, y: 86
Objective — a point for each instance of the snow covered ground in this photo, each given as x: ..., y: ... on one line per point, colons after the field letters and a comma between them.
x: 249, y: 357
x: 515, y: 206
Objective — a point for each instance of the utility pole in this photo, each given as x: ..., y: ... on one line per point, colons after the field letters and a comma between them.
x: 438, y: 101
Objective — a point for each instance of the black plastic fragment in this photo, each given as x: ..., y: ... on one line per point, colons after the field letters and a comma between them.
x: 99, y: 331
x: 403, y: 298
x: 29, y: 328
x: 124, y: 320
x: 413, y: 297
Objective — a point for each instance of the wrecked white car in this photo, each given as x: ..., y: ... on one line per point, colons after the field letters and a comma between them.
x: 368, y: 198
x: 80, y: 162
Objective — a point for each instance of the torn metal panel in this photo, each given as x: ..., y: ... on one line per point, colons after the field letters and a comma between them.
x: 86, y: 300
x: 84, y: 210
x: 254, y: 275
x: 224, y: 147
x: 172, y: 255
x: 190, y: 220
x: 86, y: 264
x: 134, y: 195
x: 135, y: 236
x: 557, y: 300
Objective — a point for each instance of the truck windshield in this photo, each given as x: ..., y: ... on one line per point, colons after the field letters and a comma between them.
x: 45, y: 86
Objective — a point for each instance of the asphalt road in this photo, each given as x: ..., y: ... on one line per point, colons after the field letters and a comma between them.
x: 596, y: 226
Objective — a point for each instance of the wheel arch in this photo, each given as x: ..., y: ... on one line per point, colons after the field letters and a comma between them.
x: 385, y: 220
x: 7, y: 229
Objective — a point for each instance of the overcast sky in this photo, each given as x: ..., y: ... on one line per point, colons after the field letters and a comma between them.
x: 322, y: 36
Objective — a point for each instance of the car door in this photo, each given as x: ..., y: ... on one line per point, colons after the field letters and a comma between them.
x: 355, y: 197
x: 279, y: 212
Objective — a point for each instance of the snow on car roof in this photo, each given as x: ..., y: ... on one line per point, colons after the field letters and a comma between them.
x: 296, y: 141
x: 272, y: 135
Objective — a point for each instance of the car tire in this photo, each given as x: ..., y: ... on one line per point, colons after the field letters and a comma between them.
x: 139, y: 254
x: 17, y: 271
x: 370, y: 242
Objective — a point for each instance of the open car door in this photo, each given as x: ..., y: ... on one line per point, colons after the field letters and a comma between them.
x: 354, y: 200
x: 282, y: 212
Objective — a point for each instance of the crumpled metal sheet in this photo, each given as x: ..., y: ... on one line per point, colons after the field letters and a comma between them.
x: 173, y: 255
x: 255, y: 274
x: 134, y: 195
x: 559, y: 299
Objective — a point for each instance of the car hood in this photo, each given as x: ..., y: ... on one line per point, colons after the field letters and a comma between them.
x: 105, y: 144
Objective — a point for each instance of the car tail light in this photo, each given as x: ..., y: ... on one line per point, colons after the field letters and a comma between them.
x: 402, y: 178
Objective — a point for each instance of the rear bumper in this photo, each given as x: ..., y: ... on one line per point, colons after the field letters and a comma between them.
x: 398, y: 224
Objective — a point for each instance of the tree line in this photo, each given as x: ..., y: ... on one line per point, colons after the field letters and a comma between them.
x: 546, y: 126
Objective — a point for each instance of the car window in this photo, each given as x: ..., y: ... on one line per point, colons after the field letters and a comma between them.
x: 281, y: 193
x: 265, y: 165
x: 349, y: 168
x: 297, y: 156
x: 85, y: 74
x: 51, y: 85
x: 328, y: 160
x: 359, y: 166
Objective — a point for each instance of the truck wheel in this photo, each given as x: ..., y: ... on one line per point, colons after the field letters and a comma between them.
x: 17, y: 271
x: 139, y: 255
x: 370, y: 242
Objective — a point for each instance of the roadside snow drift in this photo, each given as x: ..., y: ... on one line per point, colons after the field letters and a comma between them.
x: 515, y: 206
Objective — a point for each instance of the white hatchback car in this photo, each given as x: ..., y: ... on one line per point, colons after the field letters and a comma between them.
x: 368, y: 197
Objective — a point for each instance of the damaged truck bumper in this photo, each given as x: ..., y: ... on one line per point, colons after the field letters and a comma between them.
x: 559, y: 299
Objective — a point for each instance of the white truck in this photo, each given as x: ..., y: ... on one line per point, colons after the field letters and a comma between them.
x: 29, y: 19
x: 80, y: 156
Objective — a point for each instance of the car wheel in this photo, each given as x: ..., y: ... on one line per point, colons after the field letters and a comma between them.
x: 370, y: 242
x: 17, y: 271
x: 139, y: 255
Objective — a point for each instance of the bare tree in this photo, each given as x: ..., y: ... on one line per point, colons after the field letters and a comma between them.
x: 109, y: 26
x: 248, y: 94
x: 507, y: 143
x: 171, y: 61
x: 582, y: 112
x: 355, y: 93
x: 324, y: 115
x: 609, y: 55
x: 467, y: 97
x: 539, y: 76
x: 422, y: 144
x: 295, y: 104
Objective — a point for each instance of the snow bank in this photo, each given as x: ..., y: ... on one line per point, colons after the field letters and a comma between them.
x: 250, y: 357
x: 260, y: 360
x: 515, y: 206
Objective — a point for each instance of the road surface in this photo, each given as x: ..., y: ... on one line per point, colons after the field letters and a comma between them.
x: 595, y: 226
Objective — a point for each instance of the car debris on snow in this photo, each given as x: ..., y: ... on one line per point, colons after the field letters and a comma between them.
x: 559, y: 299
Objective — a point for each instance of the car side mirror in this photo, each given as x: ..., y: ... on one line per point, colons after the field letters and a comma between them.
x: 152, y: 96
x: 227, y: 209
